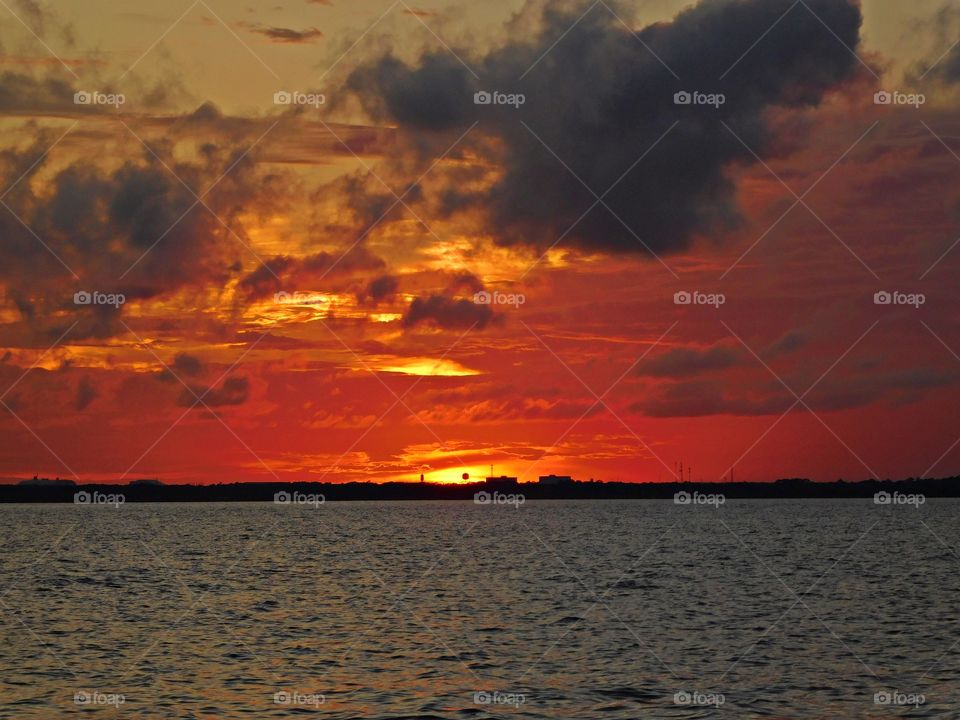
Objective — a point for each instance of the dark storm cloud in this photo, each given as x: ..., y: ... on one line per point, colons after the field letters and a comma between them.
x: 135, y: 229
x: 788, y: 343
x: 599, y: 99
x: 188, y: 365
x: 943, y: 25
x: 698, y: 398
x: 682, y: 362
x: 233, y: 391
x: 380, y: 288
x: 86, y: 394
x: 289, y: 274
x: 447, y: 313
x: 184, y: 365
x: 288, y: 35
x: 24, y: 93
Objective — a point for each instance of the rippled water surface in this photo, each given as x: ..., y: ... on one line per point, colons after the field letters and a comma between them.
x: 788, y: 609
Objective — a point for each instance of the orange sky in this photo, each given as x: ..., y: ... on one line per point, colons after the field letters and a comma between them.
x: 301, y: 282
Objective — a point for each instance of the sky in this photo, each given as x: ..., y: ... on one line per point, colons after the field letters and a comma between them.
x: 363, y: 241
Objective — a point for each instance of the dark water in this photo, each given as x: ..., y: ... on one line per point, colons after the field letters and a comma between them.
x: 788, y: 609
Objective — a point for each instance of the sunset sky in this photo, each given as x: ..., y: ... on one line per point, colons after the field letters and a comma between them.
x: 300, y: 280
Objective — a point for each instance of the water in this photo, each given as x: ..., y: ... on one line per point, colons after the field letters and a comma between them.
x: 566, y: 609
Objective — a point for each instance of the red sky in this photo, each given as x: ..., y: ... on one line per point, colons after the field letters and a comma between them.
x: 380, y: 214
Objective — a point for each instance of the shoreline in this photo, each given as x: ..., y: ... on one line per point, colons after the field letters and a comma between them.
x: 332, y: 492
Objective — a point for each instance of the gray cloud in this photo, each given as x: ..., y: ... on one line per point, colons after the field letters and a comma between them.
x: 682, y: 362
x: 233, y: 391
x: 447, y: 313
x: 599, y: 99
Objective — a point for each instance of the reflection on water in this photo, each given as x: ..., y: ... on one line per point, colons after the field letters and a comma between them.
x: 773, y: 609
